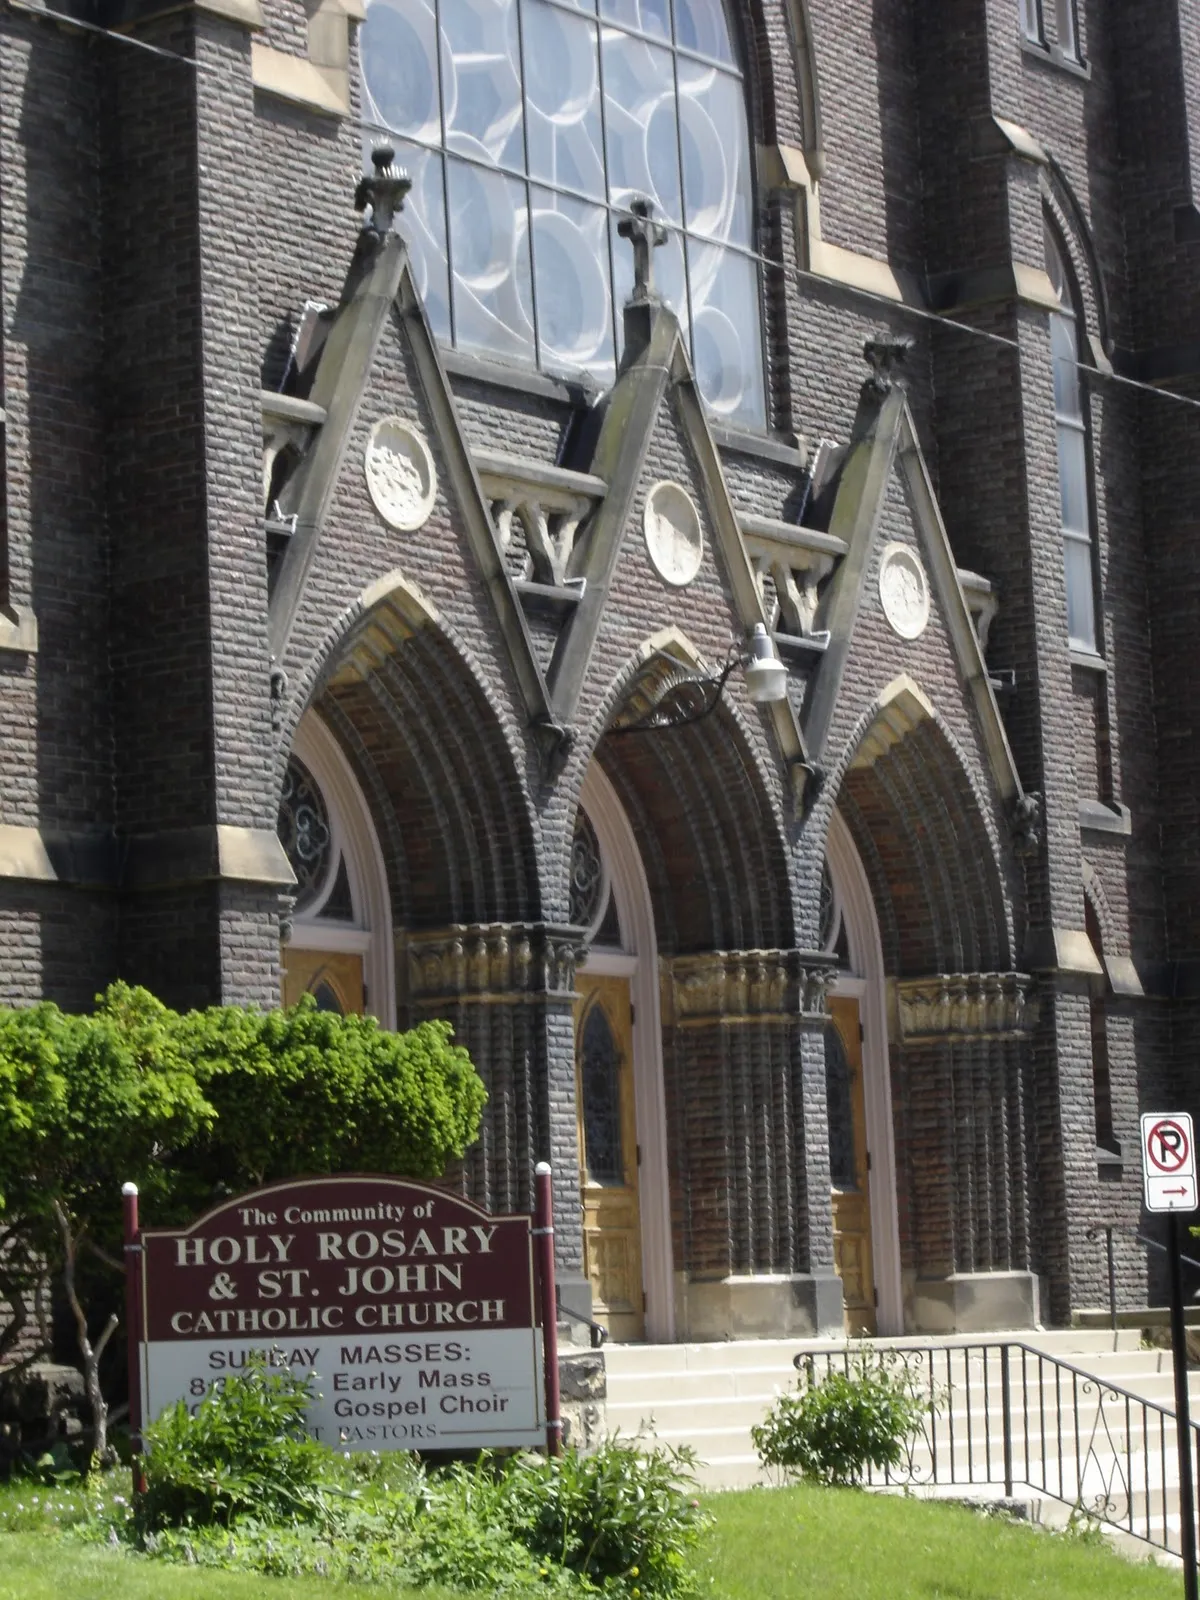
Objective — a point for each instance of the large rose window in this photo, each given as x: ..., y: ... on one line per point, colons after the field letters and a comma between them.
x: 526, y: 127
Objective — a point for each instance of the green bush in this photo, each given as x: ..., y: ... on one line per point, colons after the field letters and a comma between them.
x: 834, y: 1429
x: 243, y: 1451
x: 624, y: 1518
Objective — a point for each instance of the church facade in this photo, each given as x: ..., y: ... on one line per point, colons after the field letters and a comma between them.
x: 660, y: 532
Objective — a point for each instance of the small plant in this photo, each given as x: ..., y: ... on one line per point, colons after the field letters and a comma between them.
x: 834, y: 1429
x: 624, y: 1518
x: 244, y: 1451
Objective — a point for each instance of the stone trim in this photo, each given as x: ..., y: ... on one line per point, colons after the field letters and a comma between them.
x: 784, y: 167
x: 780, y: 986
x: 964, y: 1005
x: 320, y: 82
x: 195, y: 855
x: 1062, y: 950
x: 23, y: 854
x: 498, y: 961
x: 18, y: 630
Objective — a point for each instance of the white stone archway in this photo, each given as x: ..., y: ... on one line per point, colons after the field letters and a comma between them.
x: 369, y: 932
x: 637, y: 960
x: 865, y: 981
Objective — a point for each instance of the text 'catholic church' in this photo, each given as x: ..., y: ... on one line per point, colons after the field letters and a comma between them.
x: 506, y: 593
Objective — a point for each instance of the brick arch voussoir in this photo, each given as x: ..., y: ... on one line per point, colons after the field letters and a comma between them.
x: 471, y: 785
x: 728, y: 809
x: 945, y: 825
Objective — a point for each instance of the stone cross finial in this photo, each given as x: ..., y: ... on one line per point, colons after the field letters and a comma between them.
x: 884, y: 356
x: 646, y: 234
x: 383, y: 190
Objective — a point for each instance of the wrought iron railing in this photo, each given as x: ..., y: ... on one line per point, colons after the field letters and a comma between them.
x: 1011, y: 1416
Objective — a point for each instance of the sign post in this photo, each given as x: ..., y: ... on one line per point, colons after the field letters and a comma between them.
x: 1169, y: 1176
x: 133, y: 1330
x: 412, y: 1310
x: 543, y: 1232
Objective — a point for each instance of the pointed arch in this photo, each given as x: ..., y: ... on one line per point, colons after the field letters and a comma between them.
x: 420, y: 726
x: 1067, y: 222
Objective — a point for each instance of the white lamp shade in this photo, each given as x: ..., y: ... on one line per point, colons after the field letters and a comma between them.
x: 766, y: 675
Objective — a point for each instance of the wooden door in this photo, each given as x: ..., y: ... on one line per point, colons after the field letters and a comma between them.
x: 608, y: 1154
x: 333, y: 977
x: 849, y: 1166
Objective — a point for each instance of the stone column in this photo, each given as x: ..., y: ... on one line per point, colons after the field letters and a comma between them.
x: 509, y: 990
x: 745, y: 1087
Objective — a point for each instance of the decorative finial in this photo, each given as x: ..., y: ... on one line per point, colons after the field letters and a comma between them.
x: 383, y: 190
x: 884, y: 357
x: 646, y: 234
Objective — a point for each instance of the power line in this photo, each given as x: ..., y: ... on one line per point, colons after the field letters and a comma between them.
x: 885, y: 302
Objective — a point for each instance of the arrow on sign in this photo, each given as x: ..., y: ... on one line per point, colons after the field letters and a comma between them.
x: 1181, y: 1190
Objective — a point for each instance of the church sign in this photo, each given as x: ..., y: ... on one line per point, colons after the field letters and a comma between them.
x: 414, y: 1312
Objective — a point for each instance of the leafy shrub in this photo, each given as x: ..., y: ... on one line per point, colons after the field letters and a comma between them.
x: 834, y: 1429
x: 624, y: 1518
x: 244, y: 1450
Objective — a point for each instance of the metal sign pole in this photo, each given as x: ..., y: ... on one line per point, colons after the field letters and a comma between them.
x: 133, y: 1330
x: 543, y: 1232
x: 1187, y: 1500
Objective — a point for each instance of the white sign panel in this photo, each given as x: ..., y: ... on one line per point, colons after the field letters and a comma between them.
x: 469, y: 1391
x: 1169, y: 1161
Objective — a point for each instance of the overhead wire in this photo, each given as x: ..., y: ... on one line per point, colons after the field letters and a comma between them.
x: 887, y: 304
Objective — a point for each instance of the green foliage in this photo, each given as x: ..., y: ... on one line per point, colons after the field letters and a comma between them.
x: 623, y: 1517
x: 243, y: 1451
x: 301, y: 1090
x: 834, y: 1429
x: 236, y: 1484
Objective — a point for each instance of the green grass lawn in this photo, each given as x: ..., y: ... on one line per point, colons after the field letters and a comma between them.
x: 783, y: 1544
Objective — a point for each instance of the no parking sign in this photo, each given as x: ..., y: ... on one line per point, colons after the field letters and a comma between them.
x: 1169, y: 1161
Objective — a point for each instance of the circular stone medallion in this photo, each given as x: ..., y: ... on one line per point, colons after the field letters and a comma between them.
x: 674, y: 537
x: 400, y: 474
x: 904, y: 591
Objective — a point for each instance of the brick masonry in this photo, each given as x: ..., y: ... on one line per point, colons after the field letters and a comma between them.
x: 162, y: 224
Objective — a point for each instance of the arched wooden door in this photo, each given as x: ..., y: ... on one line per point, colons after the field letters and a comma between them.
x: 608, y: 1154
x: 333, y: 977
x: 849, y: 1166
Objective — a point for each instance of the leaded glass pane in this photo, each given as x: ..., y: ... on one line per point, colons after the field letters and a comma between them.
x: 843, y: 1168
x: 1081, y: 597
x: 327, y: 999
x: 726, y: 337
x: 304, y: 831
x: 1065, y: 350
x: 716, y: 169
x: 828, y: 915
x: 562, y: 99
x: 574, y: 297
x: 588, y: 878
x: 700, y: 25
x: 1072, y: 477
x: 489, y: 233
x: 639, y: 112
x: 481, y: 81
x: 424, y: 225
x: 643, y: 16
x: 400, y: 68
x: 600, y: 1072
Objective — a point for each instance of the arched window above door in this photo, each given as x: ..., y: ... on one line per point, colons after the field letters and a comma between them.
x: 527, y: 126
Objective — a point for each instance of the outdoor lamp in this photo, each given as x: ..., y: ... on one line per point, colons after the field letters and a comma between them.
x: 688, y: 696
x: 766, y: 675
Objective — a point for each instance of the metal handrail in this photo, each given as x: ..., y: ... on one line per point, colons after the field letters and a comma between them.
x: 1060, y: 1431
x: 599, y: 1334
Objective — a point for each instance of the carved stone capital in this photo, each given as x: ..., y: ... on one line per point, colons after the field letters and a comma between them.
x: 965, y: 1005
x: 491, y: 961
x: 748, y: 985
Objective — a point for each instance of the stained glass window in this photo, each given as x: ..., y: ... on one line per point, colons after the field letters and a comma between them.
x: 600, y: 1072
x: 843, y: 1168
x: 589, y: 881
x: 1073, y: 452
x: 304, y: 831
x: 527, y: 126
